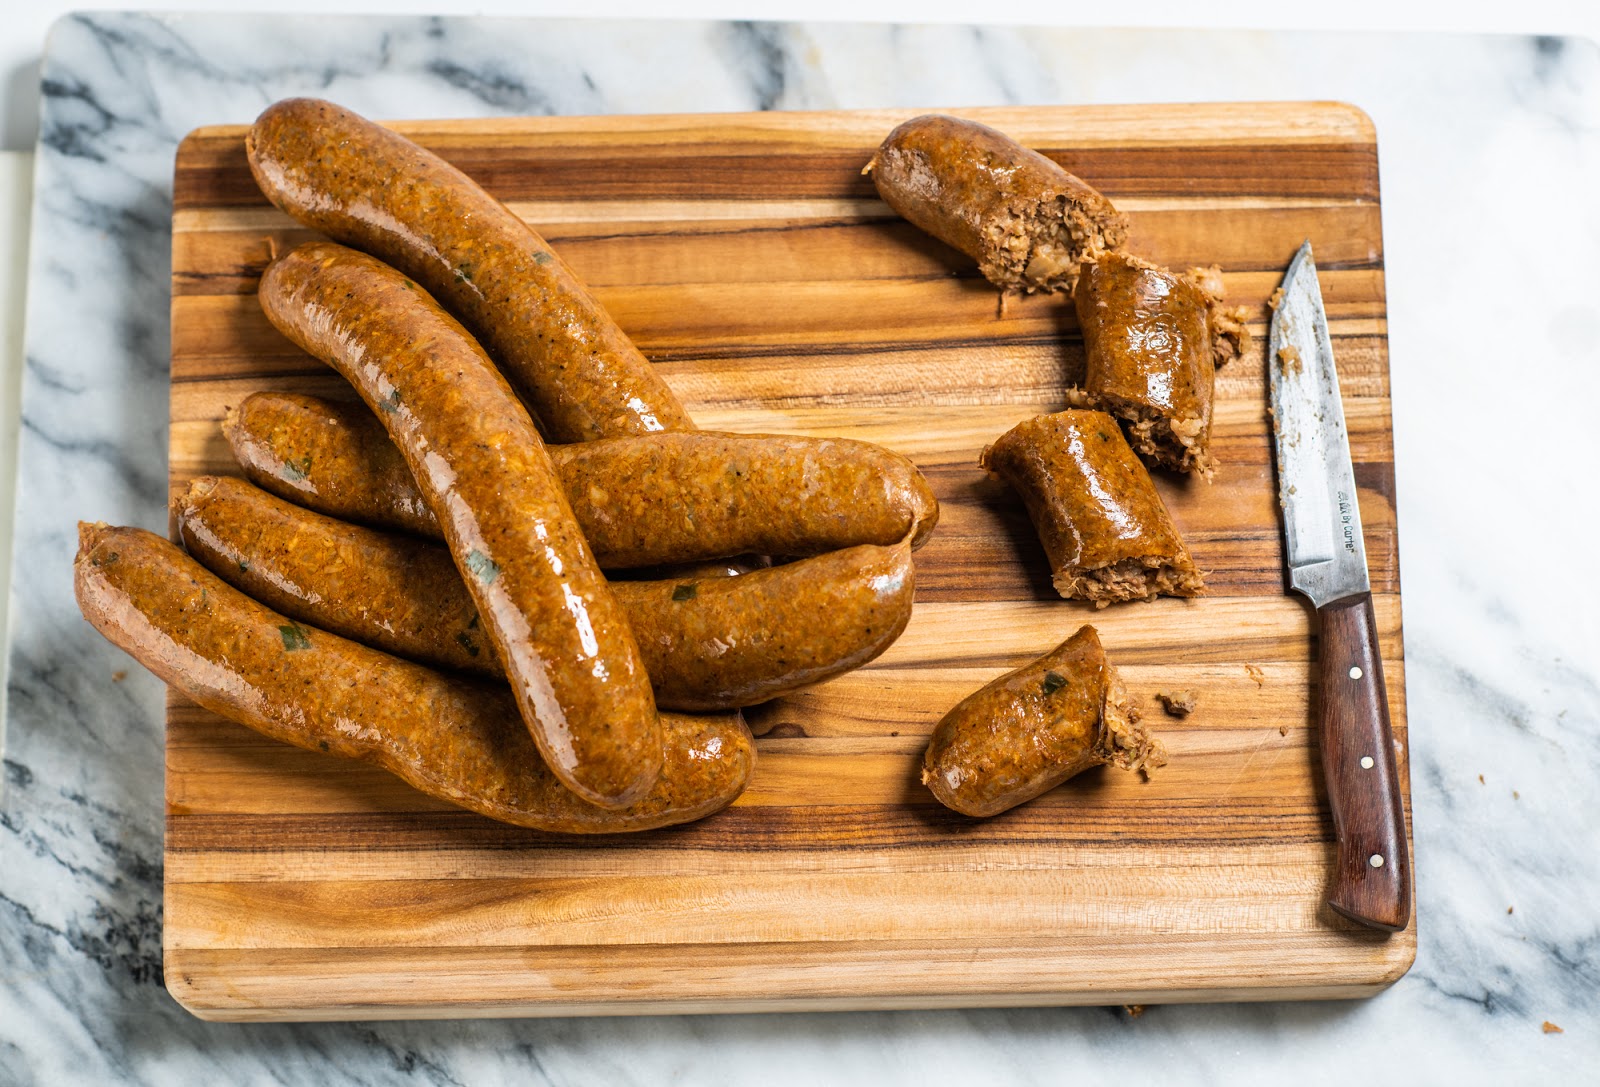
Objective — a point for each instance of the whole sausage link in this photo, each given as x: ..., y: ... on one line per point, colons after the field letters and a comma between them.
x: 707, y: 642
x: 483, y: 471
x: 458, y: 740
x: 369, y: 187
x: 664, y: 498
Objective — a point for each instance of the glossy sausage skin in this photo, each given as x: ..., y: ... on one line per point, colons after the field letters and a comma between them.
x: 665, y: 498
x: 483, y: 471
x: 677, y: 497
x: 458, y: 740
x: 708, y: 642
x: 1027, y: 222
x: 1035, y: 727
x: 720, y: 642
x: 373, y: 189
x: 1147, y: 342
x: 1102, y: 523
x: 327, y: 455
x: 392, y: 592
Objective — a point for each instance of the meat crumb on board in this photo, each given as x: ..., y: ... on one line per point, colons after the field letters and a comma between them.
x: 1256, y: 674
x: 1177, y: 703
x: 1551, y: 1028
x: 1277, y: 298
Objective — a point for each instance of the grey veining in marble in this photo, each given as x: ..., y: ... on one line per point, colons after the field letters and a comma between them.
x: 1491, y: 162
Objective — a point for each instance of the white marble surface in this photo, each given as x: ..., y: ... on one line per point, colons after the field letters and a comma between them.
x: 1490, y: 152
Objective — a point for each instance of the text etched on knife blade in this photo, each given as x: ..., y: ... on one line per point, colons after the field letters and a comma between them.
x: 1345, y: 518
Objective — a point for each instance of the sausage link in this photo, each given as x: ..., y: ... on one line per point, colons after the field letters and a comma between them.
x: 329, y: 456
x: 1104, y: 528
x: 458, y: 740
x: 707, y: 642
x: 665, y: 498
x: 1150, y: 362
x: 1027, y: 222
x: 371, y: 188
x: 719, y: 642
x: 483, y: 471
x: 1034, y: 728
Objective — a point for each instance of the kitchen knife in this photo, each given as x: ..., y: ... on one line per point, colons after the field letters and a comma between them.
x: 1327, y: 562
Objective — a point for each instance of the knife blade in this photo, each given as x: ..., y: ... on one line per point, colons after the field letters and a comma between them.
x: 1327, y: 561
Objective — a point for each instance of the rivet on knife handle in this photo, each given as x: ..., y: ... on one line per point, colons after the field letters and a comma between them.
x: 1372, y: 872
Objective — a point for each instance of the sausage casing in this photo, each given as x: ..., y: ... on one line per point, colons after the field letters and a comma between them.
x: 1027, y: 222
x: 371, y: 188
x: 458, y: 740
x: 707, y: 642
x: 660, y: 499
x: 1147, y: 344
x: 1104, y: 528
x: 1035, y: 727
x: 720, y: 642
x: 327, y: 455
x: 482, y: 469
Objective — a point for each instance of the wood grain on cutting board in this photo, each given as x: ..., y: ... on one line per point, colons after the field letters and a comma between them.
x: 751, y: 261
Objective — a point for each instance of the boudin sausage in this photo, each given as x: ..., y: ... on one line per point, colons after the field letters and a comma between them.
x: 663, y: 498
x: 363, y: 185
x: 454, y: 739
x: 1027, y: 222
x: 1034, y: 728
x: 1147, y: 341
x: 483, y: 471
x: 1101, y: 520
x: 707, y: 642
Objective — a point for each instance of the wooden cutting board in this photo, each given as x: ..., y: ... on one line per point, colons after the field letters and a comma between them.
x: 752, y: 262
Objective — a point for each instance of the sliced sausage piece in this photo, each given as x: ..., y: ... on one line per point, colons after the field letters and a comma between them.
x: 1104, y: 528
x: 1035, y: 727
x: 483, y: 471
x: 708, y: 642
x: 371, y: 188
x: 664, y: 498
x: 1147, y: 340
x: 454, y: 739
x: 1027, y: 222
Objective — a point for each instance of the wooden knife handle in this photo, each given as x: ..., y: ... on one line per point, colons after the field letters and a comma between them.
x: 1372, y: 876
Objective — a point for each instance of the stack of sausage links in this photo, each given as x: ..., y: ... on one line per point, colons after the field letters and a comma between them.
x: 385, y: 553
x: 1152, y: 341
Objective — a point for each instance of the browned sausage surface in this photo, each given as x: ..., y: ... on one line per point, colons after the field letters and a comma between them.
x: 483, y: 471
x: 458, y: 740
x: 1034, y: 728
x: 677, y: 497
x: 708, y: 642
x: 1102, y: 523
x: 328, y: 456
x: 664, y: 498
x: 720, y: 642
x: 1147, y: 342
x: 363, y: 185
x: 1027, y: 222
x: 395, y: 593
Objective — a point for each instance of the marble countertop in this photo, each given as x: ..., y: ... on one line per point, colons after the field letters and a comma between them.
x: 1490, y: 156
